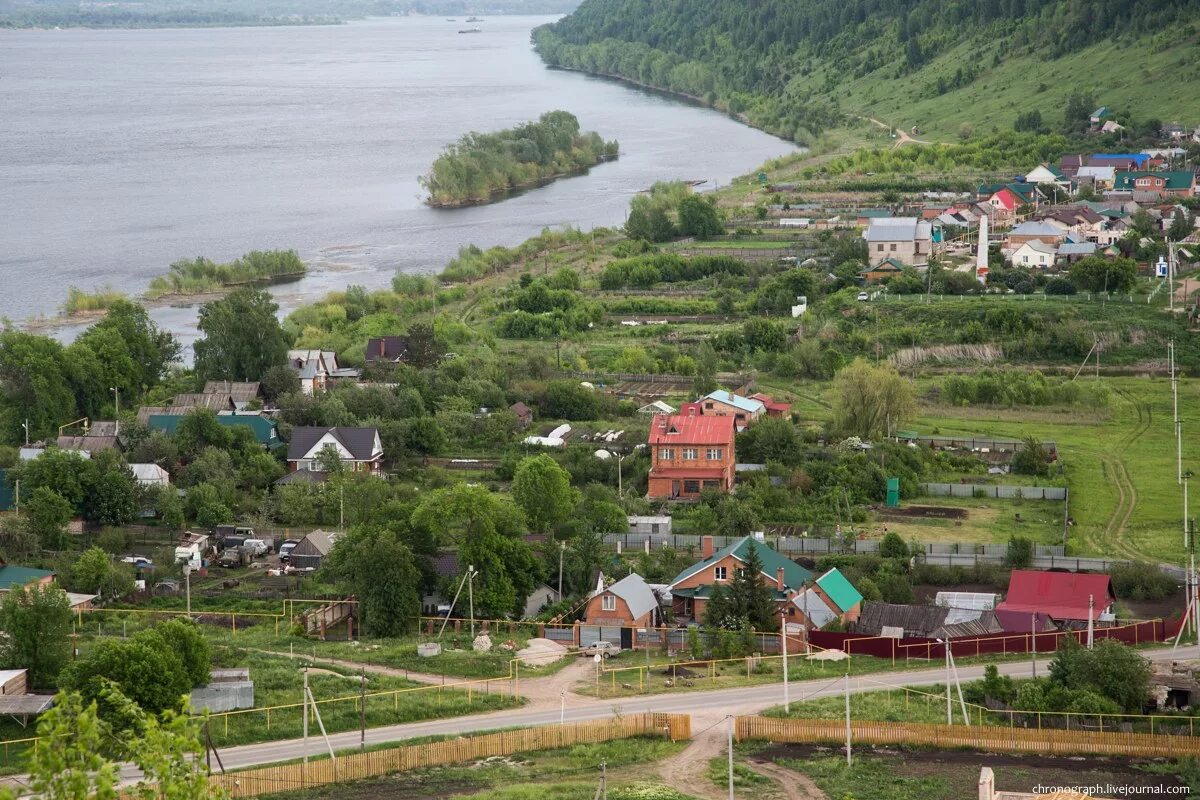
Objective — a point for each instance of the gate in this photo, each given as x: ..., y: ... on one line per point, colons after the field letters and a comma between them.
x: 590, y: 634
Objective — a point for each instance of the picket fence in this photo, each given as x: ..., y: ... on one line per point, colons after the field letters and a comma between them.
x: 989, y: 738
x: 358, y: 766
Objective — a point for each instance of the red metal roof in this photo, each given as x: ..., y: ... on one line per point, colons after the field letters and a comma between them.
x: 680, y: 430
x: 1062, y: 595
x: 780, y: 408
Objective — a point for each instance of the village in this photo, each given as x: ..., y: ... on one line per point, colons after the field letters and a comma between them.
x: 835, y: 471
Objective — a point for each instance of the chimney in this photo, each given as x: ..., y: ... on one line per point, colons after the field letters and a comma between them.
x: 779, y: 579
x: 706, y: 546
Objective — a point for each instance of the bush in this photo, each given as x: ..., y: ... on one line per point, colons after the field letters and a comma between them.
x: 1059, y: 286
x: 892, y: 546
x: 1142, y: 581
x: 1019, y: 554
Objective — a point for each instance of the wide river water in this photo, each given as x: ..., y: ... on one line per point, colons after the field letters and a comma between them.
x: 122, y: 151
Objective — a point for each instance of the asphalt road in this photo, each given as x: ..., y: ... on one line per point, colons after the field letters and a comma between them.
x: 703, y: 705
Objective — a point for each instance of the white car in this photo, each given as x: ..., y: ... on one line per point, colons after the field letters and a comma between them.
x: 863, y: 297
x: 603, y: 649
x: 139, y: 562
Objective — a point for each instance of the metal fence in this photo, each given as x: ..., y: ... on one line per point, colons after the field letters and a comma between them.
x: 1000, y: 491
x: 793, y: 546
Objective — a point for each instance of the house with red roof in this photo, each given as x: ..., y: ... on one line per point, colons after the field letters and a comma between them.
x: 690, y: 453
x: 1060, y: 595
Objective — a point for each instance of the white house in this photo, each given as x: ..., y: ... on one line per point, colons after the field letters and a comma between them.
x: 150, y: 475
x: 1035, y: 253
x: 1048, y: 174
x: 314, y: 368
x: 359, y: 449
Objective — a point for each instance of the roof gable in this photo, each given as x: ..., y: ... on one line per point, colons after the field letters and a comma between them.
x: 839, y: 589
x: 636, y: 593
x: 681, y: 429
x: 355, y: 444
x: 1063, y: 595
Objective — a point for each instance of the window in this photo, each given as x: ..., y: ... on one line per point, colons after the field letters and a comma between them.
x: 713, y: 454
x: 721, y: 573
x: 689, y: 454
x: 879, y: 248
x: 893, y: 247
x: 608, y: 602
x: 691, y: 487
x: 654, y: 527
x: 666, y: 453
x: 712, y: 484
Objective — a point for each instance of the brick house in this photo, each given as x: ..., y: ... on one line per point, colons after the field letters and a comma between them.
x: 830, y: 597
x: 689, y: 453
x: 1155, y: 184
x: 629, y: 602
x: 744, y: 410
x: 692, y: 588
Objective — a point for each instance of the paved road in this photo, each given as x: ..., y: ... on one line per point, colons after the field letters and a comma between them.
x: 705, y: 707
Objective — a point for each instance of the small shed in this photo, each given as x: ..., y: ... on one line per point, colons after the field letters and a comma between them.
x: 312, y: 549
x: 524, y: 414
x: 649, y: 524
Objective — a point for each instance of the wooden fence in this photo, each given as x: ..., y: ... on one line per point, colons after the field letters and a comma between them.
x: 997, y: 739
x: 375, y: 763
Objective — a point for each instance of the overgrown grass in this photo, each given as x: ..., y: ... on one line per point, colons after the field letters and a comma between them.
x: 79, y: 301
x: 194, y: 276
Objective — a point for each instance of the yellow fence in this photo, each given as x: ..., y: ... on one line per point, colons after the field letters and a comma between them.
x: 290, y: 777
x: 990, y: 738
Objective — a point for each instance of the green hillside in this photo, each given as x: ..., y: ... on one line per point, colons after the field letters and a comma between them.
x: 797, y: 68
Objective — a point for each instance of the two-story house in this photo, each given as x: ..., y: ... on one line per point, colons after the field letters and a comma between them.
x: 908, y: 240
x: 690, y: 453
x: 359, y: 449
x: 1150, y: 185
x: 630, y: 602
x: 744, y: 410
x: 692, y: 588
x: 830, y: 597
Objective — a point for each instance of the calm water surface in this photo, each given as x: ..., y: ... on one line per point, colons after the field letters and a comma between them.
x: 121, y: 151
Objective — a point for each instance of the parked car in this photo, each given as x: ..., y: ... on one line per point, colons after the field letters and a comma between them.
x: 285, y: 549
x: 139, y: 562
x: 255, y: 547
x: 601, y: 648
x: 863, y: 297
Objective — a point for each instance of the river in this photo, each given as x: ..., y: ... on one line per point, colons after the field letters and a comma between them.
x: 124, y: 150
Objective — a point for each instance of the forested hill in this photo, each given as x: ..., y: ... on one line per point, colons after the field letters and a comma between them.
x: 805, y: 63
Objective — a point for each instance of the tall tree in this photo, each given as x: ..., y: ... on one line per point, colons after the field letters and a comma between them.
x: 242, y: 337
x: 871, y: 399
x: 382, y: 572
x: 699, y: 217
x: 543, y: 491
x: 35, y: 382
x: 48, y: 513
x: 37, y: 620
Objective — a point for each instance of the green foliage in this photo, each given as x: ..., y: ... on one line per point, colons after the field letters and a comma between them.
x: 648, y: 270
x: 1139, y: 580
x: 872, y: 399
x: 1110, y: 669
x: 1012, y: 387
x: 380, y: 569
x: 745, y: 601
x: 992, y: 153
x: 197, y: 275
x: 481, y: 165
x: 1019, y: 554
x: 699, y: 217
x: 1032, y: 458
x: 47, y: 514
x: 94, y: 572
x: 892, y: 546
x: 37, y: 624
x: 183, y: 637
x: 79, y: 301
x: 143, y: 668
x: 242, y: 337
x: 472, y: 263
x: 543, y: 491
x: 1100, y: 274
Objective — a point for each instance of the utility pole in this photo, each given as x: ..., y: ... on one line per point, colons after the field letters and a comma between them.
x: 1091, y: 614
x: 25, y: 425
x: 116, y: 390
x: 1175, y: 399
x: 342, y: 508
x: 847, y: 686
x: 730, y: 733
x: 1033, y: 642
x: 949, y: 706
x: 362, y: 710
x: 471, y: 597
x: 787, y: 704
x: 305, y: 727
x: 187, y: 584
x: 1186, y: 537
x: 562, y: 707
x: 562, y: 548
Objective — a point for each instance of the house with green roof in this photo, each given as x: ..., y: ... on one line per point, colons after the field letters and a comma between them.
x: 1179, y: 183
x: 693, y: 587
x: 14, y: 577
x: 264, y: 429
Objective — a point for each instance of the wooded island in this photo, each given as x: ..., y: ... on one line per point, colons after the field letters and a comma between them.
x: 480, y: 167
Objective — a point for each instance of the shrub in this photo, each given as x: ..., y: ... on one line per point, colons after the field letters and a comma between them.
x: 1142, y: 581
x: 1060, y: 286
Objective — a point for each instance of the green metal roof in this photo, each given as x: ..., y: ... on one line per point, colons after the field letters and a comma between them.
x: 15, y: 577
x: 794, y: 575
x: 706, y: 592
x: 265, y: 431
x: 840, y: 590
x: 1174, y: 180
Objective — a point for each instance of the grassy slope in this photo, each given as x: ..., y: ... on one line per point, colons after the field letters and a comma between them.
x: 1130, y: 76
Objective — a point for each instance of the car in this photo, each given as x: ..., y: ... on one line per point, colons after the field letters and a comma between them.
x: 256, y: 547
x: 285, y: 549
x: 863, y: 297
x: 139, y: 562
x: 601, y: 648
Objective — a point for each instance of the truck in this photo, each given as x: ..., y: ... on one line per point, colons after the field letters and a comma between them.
x: 232, y: 535
x: 234, y: 557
